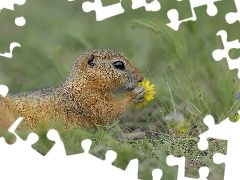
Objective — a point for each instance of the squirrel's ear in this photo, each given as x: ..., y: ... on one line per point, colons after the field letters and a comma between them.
x: 90, y: 61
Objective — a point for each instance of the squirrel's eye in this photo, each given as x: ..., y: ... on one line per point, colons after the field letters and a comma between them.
x: 90, y: 61
x: 119, y: 65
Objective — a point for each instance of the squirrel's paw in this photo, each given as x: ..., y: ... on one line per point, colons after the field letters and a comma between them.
x: 138, y: 93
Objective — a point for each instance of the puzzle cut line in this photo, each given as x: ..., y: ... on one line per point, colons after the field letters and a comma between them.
x: 180, y: 162
x: 173, y: 14
x: 12, y: 46
x: 217, y: 131
x: 224, y: 53
x: 153, y: 6
x: 232, y: 17
x: 9, y: 4
x: 56, y: 160
x: 103, y: 13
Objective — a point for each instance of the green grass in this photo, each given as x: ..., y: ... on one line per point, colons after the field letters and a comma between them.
x: 180, y: 64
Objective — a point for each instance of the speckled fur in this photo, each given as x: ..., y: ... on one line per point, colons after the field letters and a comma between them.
x: 85, y: 98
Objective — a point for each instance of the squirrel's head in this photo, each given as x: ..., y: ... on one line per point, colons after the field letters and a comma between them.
x: 106, y: 70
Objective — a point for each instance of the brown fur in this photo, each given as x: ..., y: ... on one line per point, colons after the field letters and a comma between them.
x: 6, y: 113
x: 84, y: 99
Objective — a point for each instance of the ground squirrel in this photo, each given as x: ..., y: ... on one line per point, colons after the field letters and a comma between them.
x: 84, y: 99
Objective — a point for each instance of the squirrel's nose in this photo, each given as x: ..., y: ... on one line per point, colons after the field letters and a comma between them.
x: 138, y: 76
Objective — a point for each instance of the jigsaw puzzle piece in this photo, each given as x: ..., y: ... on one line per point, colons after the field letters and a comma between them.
x: 15, y: 125
x: 9, y: 4
x: 157, y: 174
x: 20, y: 146
x: 219, y: 131
x: 153, y: 6
x: 102, y: 12
x: 101, y: 167
x: 232, y: 17
x: 173, y: 14
x: 180, y: 162
x: 203, y: 143
x: 19, y: 158
x: 224, y: 53
x: 59, y: 166
x: 219, y: 158
x: 211, y: 7
x: 86, y: 145
x: 58, y: 149
x: 110, y: 156
x: 12, y: 46
x: 232, y: 164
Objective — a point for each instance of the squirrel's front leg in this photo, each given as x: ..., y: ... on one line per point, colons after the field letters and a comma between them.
x: 118, y: 106
x: 135, y: 96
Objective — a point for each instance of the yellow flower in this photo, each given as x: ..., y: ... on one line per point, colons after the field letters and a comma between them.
x: 149, y: 93
x: 235, y: 117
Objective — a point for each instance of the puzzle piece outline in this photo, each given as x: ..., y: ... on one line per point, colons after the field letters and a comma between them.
x: 12, y: 46
x: 19, y: 21
x: 22, y: 151
x: 104, y: 12
x: 232, y: 157
x: 173, y: 14
x: 180, y: 162
x: 219, y: 54
x: 232, y: 17
x: 223, y: 155
x: 153, y: 6
x: 9, y: 4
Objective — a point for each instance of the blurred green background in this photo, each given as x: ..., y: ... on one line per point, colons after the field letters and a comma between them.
x: 186, y: 77
x: 177, y: 62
